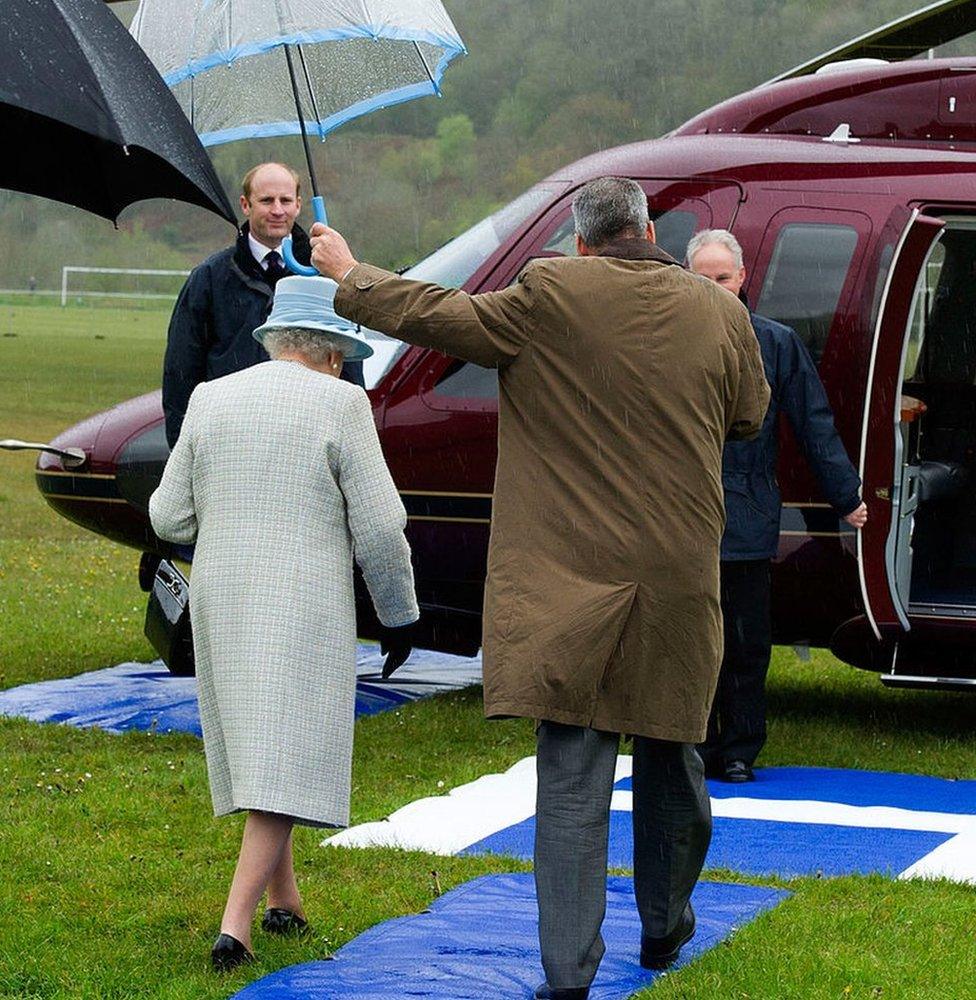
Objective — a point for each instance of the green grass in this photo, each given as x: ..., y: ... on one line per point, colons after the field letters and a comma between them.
x: 115, y: 870
x: 69, y: 600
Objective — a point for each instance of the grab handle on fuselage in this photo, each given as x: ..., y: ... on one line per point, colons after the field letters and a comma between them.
x: 318, y: 208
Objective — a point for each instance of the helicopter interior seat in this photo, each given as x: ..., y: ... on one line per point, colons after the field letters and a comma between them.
x: 941, y: 480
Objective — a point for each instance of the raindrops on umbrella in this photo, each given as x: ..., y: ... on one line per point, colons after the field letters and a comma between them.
x: 287, y: 67
x: 94, y: 124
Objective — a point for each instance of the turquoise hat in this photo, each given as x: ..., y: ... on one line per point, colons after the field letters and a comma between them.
x: 308, y: 303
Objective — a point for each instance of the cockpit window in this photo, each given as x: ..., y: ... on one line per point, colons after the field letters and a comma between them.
x: 455, y: 262
x: 466, y: 380
x: 805, y: 278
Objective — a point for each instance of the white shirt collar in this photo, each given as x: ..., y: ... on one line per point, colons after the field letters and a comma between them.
x: 259, y: 250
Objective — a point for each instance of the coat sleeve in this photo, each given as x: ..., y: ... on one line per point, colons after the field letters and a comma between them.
x: 185, y: 361
x: 751, y: 398
x: 804, y: 400
x: 171, y: 507
x: 376, y: 516
x: 488, y: 329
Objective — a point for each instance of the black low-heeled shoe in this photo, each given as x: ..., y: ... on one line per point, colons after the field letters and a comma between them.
x: 228, y: 953
x: 277, y: 920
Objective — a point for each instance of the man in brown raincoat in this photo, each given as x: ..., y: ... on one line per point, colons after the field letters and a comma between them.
x: 621, y: 375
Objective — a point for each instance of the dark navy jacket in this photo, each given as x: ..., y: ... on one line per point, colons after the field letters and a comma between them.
x: 752, y: 500
x: 223, y: 301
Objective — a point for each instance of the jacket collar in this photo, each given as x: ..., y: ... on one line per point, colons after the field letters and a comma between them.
x: 632, y: 248
x: 251, y: 270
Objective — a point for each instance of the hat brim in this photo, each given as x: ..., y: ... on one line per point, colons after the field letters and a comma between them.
x: 355, y: 349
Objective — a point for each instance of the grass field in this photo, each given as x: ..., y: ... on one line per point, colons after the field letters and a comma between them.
x: 115, y: 870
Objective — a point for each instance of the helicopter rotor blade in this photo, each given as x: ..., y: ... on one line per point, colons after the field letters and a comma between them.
x: 903, y: 38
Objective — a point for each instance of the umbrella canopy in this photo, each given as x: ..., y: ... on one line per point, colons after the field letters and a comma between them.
x: 227, y: 61
x: 88, y: 119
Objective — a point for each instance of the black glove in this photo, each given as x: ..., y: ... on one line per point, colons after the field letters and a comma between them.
x: 396, y: 644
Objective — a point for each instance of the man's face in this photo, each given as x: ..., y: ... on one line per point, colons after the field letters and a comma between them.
x: 273, y: 206
x: 716, y: 263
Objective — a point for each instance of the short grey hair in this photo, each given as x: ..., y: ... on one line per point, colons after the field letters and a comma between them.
x: 722, y: 237
x: 608, y: 208
x: 315, y: 345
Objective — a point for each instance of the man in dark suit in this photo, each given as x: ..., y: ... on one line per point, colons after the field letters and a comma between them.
x: 737, y: 724
x: 229, y: 295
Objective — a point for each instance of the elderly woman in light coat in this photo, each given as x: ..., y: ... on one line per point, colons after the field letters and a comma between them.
x: 279, y: 479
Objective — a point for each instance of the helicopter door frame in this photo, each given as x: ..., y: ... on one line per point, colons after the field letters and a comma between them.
x: 889, y: 493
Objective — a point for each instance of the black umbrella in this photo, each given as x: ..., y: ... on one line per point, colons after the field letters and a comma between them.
x: 87, y: 117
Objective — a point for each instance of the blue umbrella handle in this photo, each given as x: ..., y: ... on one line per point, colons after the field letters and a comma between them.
x: 318, y: 208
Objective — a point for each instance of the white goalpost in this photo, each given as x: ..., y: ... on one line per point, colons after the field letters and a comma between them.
x: 70, y: 269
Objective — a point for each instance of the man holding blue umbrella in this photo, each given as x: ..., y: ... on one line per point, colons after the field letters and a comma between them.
x: 229, y: 295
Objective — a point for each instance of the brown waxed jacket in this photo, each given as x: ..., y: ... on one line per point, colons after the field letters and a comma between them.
x: 619, y: 382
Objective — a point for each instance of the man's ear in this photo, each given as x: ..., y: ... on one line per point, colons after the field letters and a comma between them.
x: 581, y: 248
x: 651, y: 235
x: 245, y: 205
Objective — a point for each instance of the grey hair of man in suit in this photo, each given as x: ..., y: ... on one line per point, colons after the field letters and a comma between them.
x: 314, y: 345
x: 722, y: 237
x: 609, y: 209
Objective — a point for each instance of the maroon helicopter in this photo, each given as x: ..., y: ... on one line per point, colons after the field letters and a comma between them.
x: 851, y: 184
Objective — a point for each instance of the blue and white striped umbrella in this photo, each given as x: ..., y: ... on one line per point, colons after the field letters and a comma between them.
x: 232, y: 63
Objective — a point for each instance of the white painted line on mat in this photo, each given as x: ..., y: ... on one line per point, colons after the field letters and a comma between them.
x: 447, y: 824
x: 826, y: 813
x: 955, y: 860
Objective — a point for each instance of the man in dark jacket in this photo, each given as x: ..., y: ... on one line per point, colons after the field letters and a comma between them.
x: 737, y: 724
x: 229, y: 295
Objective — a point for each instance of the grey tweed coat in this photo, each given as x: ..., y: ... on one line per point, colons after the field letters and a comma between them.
x: 279, y: 479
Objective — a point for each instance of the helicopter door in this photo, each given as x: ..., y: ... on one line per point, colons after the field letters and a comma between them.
x: 889, y: 472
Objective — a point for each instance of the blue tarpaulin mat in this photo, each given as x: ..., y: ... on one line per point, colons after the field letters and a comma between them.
x: 761, y: 847
x: 146, y: 696
x: 480, y: 942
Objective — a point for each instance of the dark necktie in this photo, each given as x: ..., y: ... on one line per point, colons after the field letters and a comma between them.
x: 275, y: 268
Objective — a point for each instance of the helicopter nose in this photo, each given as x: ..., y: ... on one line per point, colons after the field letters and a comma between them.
x: 82, y: 437
x: 81, y: 493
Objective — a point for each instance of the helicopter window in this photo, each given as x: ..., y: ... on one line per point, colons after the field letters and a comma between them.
x: 465, y: 380
x: 926, y: 292
x: 946, y: 352
x: 673, y: 231
x: 805, y: 279
x: 456, y: 261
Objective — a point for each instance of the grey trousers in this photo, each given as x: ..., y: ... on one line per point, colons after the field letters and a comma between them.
x: 672, y: 830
